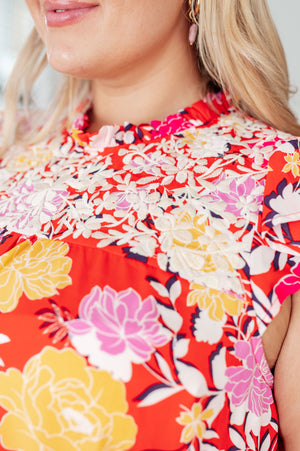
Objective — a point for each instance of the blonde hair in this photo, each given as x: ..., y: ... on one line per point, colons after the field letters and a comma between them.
x: 239, y: 51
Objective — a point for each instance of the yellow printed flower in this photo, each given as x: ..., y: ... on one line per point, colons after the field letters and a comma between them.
x: 60, y: 403
x: 37, y: 270
x: 192, y: 246
x: 194, y: 233
x: 190, y: 137
x: 76, y: 135
x: 217, y: 302
x: 194, y: 422
x: 34, y: 156
x: 293, y: 164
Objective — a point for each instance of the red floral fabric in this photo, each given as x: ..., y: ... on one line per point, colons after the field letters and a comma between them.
x: 139, y: 267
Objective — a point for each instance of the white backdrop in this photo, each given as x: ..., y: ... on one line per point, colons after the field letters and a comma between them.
x: 286, y: 15
x: 15, y: 24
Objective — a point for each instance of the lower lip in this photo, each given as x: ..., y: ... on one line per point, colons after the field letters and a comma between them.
x: 68, y: 17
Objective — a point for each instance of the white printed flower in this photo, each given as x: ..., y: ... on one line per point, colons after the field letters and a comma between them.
x: 206, y: 329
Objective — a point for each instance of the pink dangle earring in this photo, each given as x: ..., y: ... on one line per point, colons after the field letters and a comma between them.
x: 193, y: 15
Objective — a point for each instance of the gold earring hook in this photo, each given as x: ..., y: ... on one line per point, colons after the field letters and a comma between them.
x: 194, y: 9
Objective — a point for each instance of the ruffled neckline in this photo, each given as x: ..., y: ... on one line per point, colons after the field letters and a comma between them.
x: 201, y: 112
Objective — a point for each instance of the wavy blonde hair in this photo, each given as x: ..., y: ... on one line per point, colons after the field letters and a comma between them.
x: 239, y: 51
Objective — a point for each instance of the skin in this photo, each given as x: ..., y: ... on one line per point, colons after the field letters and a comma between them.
x: 129, y: 49
x: 287, y: 373
x: 137, y: 56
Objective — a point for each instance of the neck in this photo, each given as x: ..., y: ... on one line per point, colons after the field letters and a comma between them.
x: 148, y: 90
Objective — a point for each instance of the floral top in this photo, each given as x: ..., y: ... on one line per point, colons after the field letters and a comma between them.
x: 139, y: 267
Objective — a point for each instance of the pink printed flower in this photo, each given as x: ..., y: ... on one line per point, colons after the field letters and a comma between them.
x: 124, y: 201
x: 105, y: 138
x: 250, y: 384
x: 288, y: 284
x: 81, y: 122
x: 173, y: 124
x: 117, y: 329
x: 241, y: 198
x: 28, y: 206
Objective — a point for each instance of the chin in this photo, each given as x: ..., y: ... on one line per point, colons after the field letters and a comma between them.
x: 66, y: 63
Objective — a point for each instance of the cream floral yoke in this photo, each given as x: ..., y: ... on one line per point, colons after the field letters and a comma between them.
x: 139, y: 267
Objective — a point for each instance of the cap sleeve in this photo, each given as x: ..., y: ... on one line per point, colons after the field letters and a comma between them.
x: 275, y: 254
x: 281, y: 206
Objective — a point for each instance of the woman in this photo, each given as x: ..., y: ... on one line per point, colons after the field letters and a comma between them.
x: 149, y: 273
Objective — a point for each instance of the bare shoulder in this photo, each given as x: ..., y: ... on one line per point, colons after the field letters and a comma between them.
x: 274, y: 336
x: 287, y: 373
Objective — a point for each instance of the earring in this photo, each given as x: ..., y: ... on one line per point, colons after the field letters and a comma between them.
x: 193, y: 15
